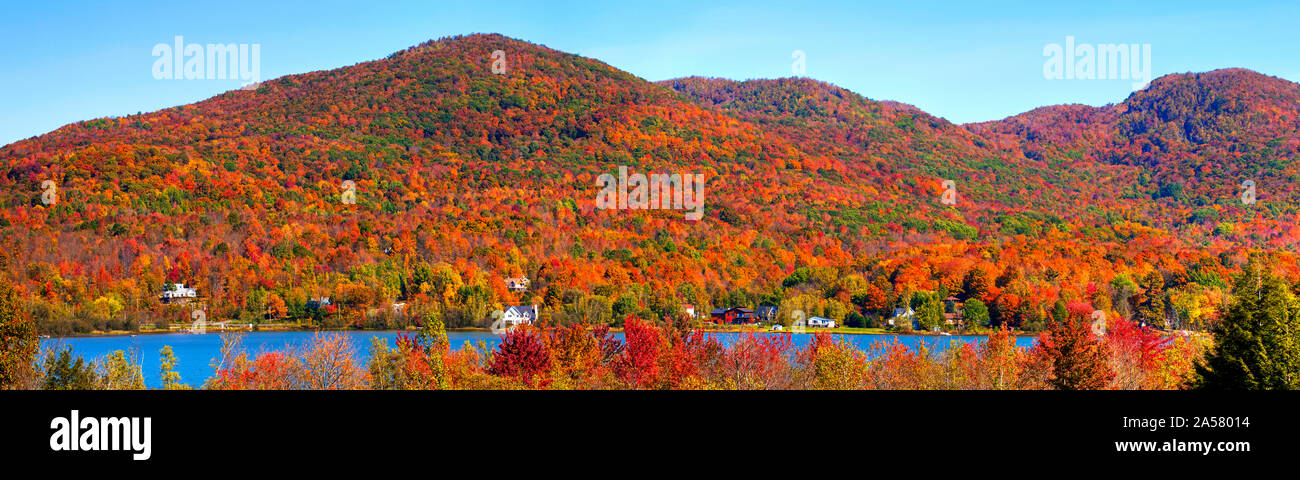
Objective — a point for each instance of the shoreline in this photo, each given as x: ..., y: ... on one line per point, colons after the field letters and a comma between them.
x: 862, y: 331
x: 126, y: 333
x: 809, y: 331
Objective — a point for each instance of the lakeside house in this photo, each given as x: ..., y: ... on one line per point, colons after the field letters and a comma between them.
x: 517, y: 284
x: 689, y: 310
x: 397, y: 309
x: 519, y: 315
x: 952, y: 307
x: 766, y: 313
x: 316, y: 303
x: 179, y: 294
x: 903, y: 316
x: 733, y: 316
x: 822, y: 322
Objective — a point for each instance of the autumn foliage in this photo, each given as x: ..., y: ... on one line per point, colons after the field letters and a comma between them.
x: 522, y: 356
x: 820, y: 200
x: 660, y: 356
x: 327, y: 362
x: 464, y: 178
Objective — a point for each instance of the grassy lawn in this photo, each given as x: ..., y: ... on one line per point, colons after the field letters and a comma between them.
x: 861, y: 330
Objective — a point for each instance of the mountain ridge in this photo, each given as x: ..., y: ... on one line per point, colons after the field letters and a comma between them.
x: 463, y: 177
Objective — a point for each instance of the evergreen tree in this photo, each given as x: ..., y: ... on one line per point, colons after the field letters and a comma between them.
x: 855, y: 320
x: 62, y: 372
x: 1080, y: 361
x: 1059, y: 313
x: 1257, y: 345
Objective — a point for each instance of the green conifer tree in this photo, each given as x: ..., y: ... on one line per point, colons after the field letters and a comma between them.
x: 1257, y: 344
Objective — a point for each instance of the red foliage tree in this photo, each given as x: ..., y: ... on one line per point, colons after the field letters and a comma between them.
x: 640, y: 365
x: 522, y: 355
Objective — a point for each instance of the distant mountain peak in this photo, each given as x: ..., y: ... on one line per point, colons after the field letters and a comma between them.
x: 470, y: 41
x: 1228, y: 82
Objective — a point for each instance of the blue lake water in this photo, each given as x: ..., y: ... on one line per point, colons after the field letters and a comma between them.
x: 195, y: 353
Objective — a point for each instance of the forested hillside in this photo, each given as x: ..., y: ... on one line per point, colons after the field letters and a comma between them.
x: 817, y: 199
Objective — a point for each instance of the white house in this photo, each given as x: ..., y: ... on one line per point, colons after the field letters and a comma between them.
x: 902, y: 317
x: 519, y: 314
x: 517, y: 284
x: 821, y: 322
x: 179, y: 293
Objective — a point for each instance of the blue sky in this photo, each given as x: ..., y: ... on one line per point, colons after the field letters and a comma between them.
x: 75, y: 60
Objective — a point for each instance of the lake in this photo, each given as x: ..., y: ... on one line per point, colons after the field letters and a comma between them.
x: 195, y: 353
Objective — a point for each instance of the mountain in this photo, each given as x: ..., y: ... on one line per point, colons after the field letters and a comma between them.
x: 816, y: 198
x: 894, y: 141
x: 1189, y: 143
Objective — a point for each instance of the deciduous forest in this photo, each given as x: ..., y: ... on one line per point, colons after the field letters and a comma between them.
x: 1172, y: 213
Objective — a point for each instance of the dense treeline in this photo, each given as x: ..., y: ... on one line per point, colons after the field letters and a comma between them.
x: 1256, y: 347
